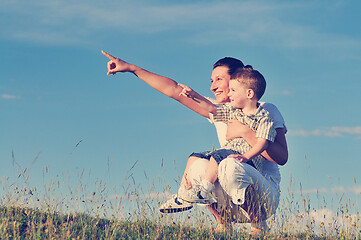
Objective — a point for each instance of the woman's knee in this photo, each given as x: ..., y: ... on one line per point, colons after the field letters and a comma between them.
x: 226, y: 171
x: 228, y: 167
x: 231, y: 171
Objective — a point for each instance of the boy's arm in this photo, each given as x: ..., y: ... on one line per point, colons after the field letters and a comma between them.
x: 203, y: 102
x: 276, y: 152
x: 160, y: 83
x: 257, y: 148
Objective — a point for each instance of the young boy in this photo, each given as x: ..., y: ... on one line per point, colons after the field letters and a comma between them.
x: 247, y: 86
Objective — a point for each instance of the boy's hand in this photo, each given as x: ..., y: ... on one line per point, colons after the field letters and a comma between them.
x: 239, y: 157
x: 187, y: 91
x: 116, y: 65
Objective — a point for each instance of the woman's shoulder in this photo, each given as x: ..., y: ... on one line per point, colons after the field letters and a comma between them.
x: 269, y: 106
x: 275, y: 114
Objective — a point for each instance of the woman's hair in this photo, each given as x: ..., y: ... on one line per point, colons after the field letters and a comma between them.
x: 230, y: 62
x: 248, y: 67
x: 252, y: 79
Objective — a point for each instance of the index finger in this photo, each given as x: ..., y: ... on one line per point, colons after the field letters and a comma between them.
x: 108, y: 55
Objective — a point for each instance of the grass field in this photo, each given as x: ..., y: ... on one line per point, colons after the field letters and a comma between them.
x: 24, y: 223
x: 53, y: 211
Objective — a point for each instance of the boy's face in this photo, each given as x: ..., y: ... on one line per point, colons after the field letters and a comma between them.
x: 220, y: 84
x: 238, y: 94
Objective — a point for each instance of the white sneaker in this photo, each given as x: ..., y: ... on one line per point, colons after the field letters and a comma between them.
x: 175, y: 204
x: 198, y: 194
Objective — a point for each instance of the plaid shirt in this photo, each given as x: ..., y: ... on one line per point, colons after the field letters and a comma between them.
x: 260, y: 122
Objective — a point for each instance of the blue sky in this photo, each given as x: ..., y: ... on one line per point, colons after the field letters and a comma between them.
x: 61, y: 113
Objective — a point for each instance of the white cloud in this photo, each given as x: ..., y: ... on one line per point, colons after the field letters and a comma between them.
x: 348, y: 130
x: 144, y: 196
x: 337, y: 189
x: 328, y: 132
x: 9, y: 97
x: 324, y: 221
x: 285, y: 93
x: 148, y: 196
x: 259, y: 23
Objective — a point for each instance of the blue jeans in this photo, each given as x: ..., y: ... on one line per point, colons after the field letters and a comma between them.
x: 218, y: 155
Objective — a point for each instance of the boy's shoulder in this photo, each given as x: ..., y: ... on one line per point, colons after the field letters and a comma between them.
x: 227, y: 106
x: 214, y: 101
x: 262, y: 112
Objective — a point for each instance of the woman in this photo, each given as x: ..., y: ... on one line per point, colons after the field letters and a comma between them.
x: 276, y: 153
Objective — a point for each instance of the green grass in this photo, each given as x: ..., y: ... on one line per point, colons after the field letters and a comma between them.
x: 25, y: 223
x: 87, y: 209
x: 22, y: 223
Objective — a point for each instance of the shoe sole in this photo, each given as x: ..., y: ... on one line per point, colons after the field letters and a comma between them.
x: 174, y: 210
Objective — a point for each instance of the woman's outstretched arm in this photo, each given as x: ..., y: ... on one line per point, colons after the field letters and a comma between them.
x: 165, y: 85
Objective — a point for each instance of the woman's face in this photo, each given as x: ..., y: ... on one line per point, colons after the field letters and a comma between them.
x: 220, y: 84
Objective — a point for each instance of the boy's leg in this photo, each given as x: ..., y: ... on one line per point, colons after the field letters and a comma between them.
x: 176, y: 202
x: 203, y: 193
x: 211, y: 174
x: 186, y: 182
x: 195, y: 175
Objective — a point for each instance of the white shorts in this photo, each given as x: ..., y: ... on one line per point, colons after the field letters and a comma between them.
x: 234, y: 177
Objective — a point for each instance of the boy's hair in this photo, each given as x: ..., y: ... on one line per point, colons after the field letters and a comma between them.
x: 232, y: 63
x: 252, y: 79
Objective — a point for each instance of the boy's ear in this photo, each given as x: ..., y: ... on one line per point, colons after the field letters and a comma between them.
x: 250, y: 93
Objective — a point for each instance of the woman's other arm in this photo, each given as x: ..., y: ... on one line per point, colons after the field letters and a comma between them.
x: 276, y: 152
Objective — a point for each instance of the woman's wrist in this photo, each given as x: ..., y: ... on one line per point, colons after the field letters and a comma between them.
x: 134, y: 69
